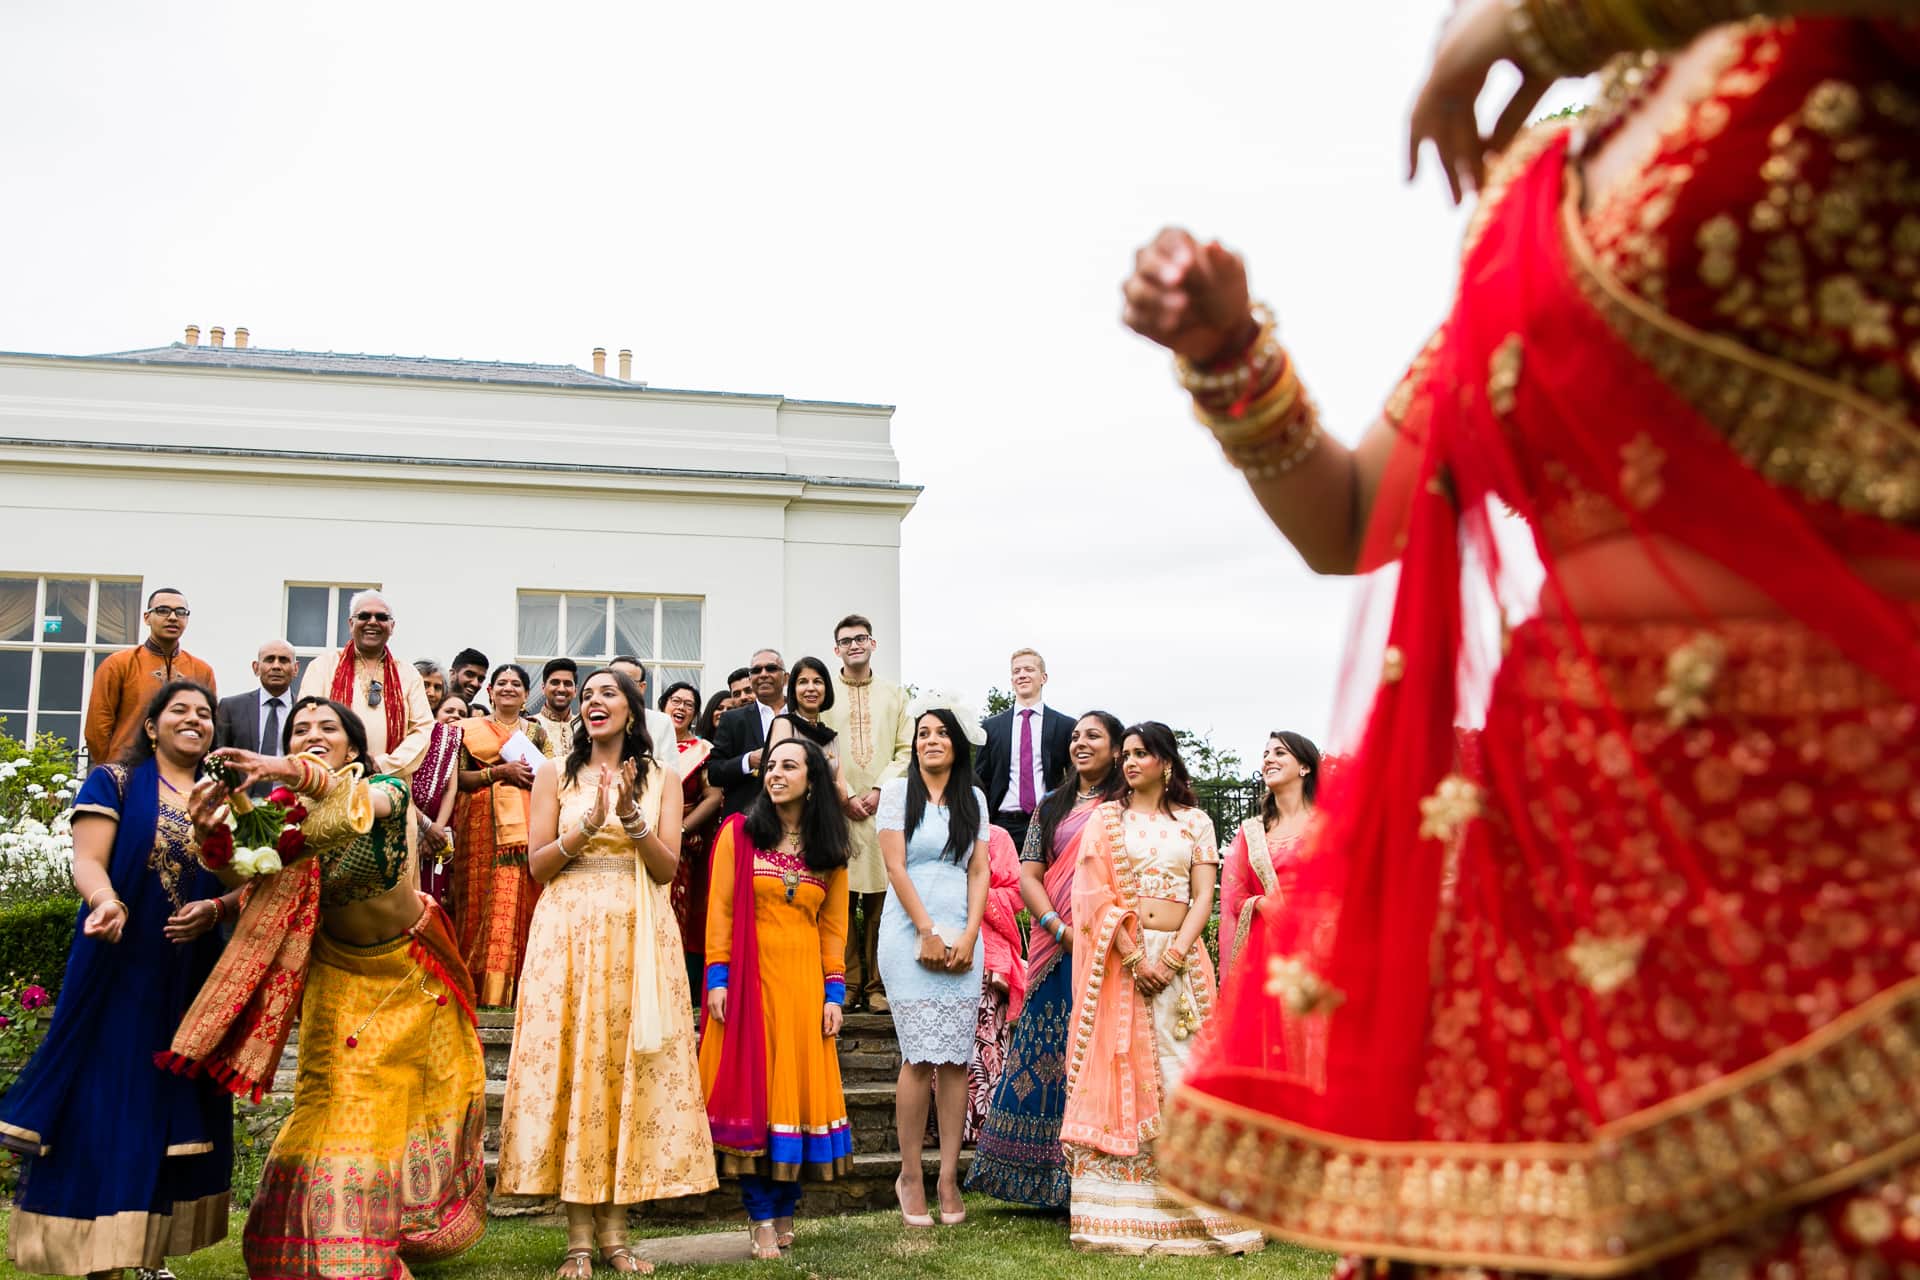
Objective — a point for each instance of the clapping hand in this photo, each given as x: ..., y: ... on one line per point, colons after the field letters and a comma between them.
x: 626, y: 800
x: 602, y: 800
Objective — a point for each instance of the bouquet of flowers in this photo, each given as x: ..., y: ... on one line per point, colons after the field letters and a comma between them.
x: 258, y: 838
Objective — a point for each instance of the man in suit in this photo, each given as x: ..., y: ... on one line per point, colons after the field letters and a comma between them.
x: 1026, y: 752
x: 741, y: 734
x: 256, y: 719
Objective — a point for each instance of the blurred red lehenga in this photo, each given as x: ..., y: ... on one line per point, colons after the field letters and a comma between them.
x: 1610, y: 931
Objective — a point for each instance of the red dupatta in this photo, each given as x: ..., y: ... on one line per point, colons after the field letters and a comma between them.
x: 1549, y: 390
x: 737, y: 1107
x: 1001, y: 928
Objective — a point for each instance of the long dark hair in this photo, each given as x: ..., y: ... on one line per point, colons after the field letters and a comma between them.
x: 818, y: 734
x: 1059, y: 802
x: 824, y: 842
x: 1164, y: 747
x: 636, y: 745
x: 704, y: 724
x: 349, y: 724
x: 1301, y: 748
x: 819, y: 668
x: 963, y: 807
x: 140, y: 750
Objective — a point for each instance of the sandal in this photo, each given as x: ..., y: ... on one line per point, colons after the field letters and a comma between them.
x: 620, y: 1260
x: 577, y: 1265
x: 770, y: 1251
x: 783, y: 1232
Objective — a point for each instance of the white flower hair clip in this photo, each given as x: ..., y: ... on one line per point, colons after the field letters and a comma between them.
x: 952, y: 703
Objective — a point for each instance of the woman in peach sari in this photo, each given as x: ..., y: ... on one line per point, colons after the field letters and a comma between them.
x: 1144, y: 986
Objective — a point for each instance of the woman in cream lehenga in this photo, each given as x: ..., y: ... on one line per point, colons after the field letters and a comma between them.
x: 1143, y: 989
x: 603, y: 1105
x: 1607, y: 924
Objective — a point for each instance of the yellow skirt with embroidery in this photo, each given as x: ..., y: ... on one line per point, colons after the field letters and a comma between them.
x: 381, y: 1160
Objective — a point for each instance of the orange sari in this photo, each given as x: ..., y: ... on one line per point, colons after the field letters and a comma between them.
x: 494, y: 892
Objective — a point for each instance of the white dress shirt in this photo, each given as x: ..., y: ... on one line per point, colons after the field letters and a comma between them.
x: 767, y: 714
x: 1011, y: 804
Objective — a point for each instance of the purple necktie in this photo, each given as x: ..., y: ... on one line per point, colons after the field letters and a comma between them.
x: 1027, y: 798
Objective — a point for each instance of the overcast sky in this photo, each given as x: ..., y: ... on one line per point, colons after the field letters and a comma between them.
x: 928, y: 207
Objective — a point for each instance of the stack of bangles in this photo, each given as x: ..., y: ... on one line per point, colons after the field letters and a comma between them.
x: 315, y: 778
x: 1254, y: 405
x: 1558, y: 38
x: 1132, y: 959
x: 1175, y: 961
x: 635, y: 826
x: 1054, y: 925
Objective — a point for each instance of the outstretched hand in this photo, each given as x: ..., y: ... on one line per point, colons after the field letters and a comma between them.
x: 1476, y: 37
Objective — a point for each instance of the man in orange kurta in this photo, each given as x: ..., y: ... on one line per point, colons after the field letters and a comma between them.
x: 129, y: 679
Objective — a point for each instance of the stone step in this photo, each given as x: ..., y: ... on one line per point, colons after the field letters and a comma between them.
x: 869, y: 1186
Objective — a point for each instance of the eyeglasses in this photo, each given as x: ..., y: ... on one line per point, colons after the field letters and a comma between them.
x: 364, y: 616
x: 766, y: 669
x: 373, y: 694
x: 169, y: 611
x: 853, y: 642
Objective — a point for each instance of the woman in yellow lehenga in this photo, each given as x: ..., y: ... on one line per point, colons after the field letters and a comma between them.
x: 603, y: 1105
x: 380, y: 1163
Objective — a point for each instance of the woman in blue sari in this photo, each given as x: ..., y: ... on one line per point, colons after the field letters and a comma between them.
x: 127, y: 1165
x: 1017, y: 1156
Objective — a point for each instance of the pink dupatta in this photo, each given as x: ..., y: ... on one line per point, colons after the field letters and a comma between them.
x: 1042, y: 951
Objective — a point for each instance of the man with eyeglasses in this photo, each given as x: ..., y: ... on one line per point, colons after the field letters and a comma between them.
x: 876, y: 746
x: 387, y: 694
x: 128, y: 680
x: 740, y: 735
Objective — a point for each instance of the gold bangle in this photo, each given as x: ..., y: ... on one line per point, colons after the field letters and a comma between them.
x: 1282, y: 449
x: 1274, y: 404
x: 1175, y: 961
x: 1265, y: 348
x: 97, y: 892
x: 1133, y: 959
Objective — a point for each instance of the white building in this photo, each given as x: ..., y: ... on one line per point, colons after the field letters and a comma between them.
x: 526, y: 510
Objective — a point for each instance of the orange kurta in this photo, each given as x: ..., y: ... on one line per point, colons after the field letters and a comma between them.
x: 123, y: 686
x: 802, y: 941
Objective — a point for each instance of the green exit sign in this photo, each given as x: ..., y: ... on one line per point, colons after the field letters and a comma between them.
x: 51, y: 625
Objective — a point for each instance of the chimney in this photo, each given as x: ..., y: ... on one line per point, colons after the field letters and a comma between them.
x: 217, y: 336
x: 600, y: 361
x: 193, y: 335
x: 626, y: 365
x: 240, y: 338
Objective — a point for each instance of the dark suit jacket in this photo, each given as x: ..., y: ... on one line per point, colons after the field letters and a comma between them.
x: 995, y: 760
x: 735, y: 736
x: 236, y: 723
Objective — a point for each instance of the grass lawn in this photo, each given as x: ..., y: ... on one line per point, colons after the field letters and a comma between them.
x: 997, y: 1242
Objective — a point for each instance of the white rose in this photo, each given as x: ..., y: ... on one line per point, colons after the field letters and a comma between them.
x: 267, y: 862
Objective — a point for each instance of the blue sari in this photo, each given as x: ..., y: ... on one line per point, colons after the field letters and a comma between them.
x: 125, y: 1163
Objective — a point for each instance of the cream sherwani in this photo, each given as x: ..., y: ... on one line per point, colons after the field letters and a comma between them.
x: 876, y: 745
x: 395, y: 758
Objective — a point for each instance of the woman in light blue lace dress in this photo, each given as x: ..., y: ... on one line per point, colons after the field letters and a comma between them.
x: 933, y: 836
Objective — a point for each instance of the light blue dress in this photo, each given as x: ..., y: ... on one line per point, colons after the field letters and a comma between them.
x: 933, y: 1011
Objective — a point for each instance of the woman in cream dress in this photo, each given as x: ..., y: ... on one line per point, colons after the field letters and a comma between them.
x: 603, y: 1104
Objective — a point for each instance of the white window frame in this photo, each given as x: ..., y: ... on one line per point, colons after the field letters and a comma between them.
x: 96, y: 650
x: 304, y: 654
x: 654, y: 665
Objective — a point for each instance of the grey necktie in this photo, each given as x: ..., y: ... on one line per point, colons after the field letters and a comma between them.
x: 270, y: 736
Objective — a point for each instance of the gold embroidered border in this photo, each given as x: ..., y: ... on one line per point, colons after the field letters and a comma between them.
x: 1836, y: 1108
x: 1797, y: 430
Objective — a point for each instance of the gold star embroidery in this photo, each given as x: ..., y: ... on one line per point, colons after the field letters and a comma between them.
x: 1692, y: 670
x: 1453, y: 804
x: 1503, y: 375
x: 1299, y: 988
x: 1640, y: 463
x: 1605, y: 964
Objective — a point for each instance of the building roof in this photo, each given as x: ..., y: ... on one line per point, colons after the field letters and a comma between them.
x: 364, y: 365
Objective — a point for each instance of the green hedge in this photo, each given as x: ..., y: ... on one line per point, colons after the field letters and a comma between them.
x: 34, y: 939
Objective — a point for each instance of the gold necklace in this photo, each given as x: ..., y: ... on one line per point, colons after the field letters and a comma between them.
x: 353, y: 1036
